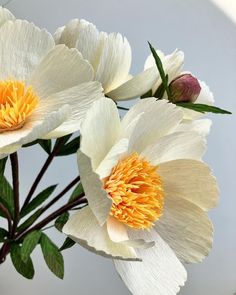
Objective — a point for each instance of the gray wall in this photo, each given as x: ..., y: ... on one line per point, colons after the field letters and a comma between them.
x: 208, y: 39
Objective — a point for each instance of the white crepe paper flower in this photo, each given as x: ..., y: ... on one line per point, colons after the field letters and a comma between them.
x: 45, y: 89
x: 173, y: 66
x: 148, y: 193
x: 110, y: 56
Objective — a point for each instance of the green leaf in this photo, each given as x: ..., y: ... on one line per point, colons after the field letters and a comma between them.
x: 38, y: 200
x: 67, y: 244
x: 65, y: 139
x: 70, y: 148
x: 26, y: 269
x: 46, y: 145
x: 30, y: 220
x: 147, y: 94
x: 3, y: 234
x: 29, y: 244
x: 52, y: 256
x: 3, y: 165
x: 61, y: 221
x: 6, y: 195
x: 30, y: 144
x: 202, y: 108
x: 77, y: 191
x: 160, y: 91
x: 159, y: 65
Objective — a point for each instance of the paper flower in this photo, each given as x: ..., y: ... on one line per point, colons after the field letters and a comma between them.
x: 110, y: 56
x: 173, y: 67
x: 148, y: 193
x: 45, y: 90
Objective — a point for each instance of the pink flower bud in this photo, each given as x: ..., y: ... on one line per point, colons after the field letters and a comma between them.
x: 184, y: 88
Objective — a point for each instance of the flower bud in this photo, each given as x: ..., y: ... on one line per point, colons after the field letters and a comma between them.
x: 184, y: 88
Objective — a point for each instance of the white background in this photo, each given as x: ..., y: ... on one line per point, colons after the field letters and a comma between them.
x: 208, y: 39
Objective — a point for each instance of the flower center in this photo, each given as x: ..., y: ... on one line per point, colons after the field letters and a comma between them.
x: 136, y: 190
x: 17, y: 102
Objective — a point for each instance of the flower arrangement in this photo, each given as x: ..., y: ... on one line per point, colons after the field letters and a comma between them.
x: 143, y: 192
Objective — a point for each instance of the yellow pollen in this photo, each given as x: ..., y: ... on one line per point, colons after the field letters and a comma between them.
x: 17, y: 102
x: 137, y: 192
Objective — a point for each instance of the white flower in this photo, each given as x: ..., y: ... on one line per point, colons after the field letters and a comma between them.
x: 173, y: 67
x: 110, y: 56
x: 45, y: 90
x: 148, y: 193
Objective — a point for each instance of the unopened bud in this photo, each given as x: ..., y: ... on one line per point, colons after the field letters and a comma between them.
x: 184, y: 88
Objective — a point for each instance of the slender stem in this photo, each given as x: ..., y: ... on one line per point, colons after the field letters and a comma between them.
x: 4, y: 251
x: 122, y: 108
x: 50, y: 158
x: 6, y: 213
x: 61, y: 194
x: 16, y: 193
x: 80, y: 200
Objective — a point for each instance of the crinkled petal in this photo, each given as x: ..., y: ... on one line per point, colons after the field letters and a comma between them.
x: 112, y: 158
x: 158, y: 120
x: 98, y: 200
x: 5, y: 15
x: 100, y: 130
x: 22, y: 46
x: 80, y: 99
x: 84, y: 229
x: 159, y: 272
x: 37, y: 126
x: 136, y: 86
x: 202, y: 126
x: 191, y: 180
x: 114, y: 61
x: 61, y: 68
x: 178, y: 145
x: 186, y: 228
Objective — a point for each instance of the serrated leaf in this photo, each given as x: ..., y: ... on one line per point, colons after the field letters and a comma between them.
x: 29, y: 244
x: 77, y: 191
x: 68, y: 243
x: 6, y: 195
x: 25, y: 269
x: 30, y: 220
x: 3, y: 234
x: 2, y: 165
x: 46, y: 144
x: 202, y: 108
x: 160, y: 68
x: 70, y: 148
x: 61, y: 221
x: 38, y: 200
x: 52, y: 256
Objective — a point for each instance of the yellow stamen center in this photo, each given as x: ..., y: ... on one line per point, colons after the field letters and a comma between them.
x: 137, y: 193
x: 17, y: 102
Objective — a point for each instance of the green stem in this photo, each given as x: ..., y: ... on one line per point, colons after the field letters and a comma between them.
x: 16, y: 193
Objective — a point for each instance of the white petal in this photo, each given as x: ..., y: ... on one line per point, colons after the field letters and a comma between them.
x: 84, y: 229
x: 5, y: 15
x: 186, y: 228
x: 82, y: 35
x: 112, y: 158
x: 179, y: 145
x: 158, y: 120
x: 172, y: 65
x: 80, y: 99
x: 159, y: 272
x: 118, y: 233
x: 22, y: 46
x: 205, y: 97
x: 114, y: 62
x: 61, y: 68
x: 37, y: 126
x: 97, y: 198
x: 100, y: 130
x: 191, y: 180
x: 136, y: 86
x: 202, y: 126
